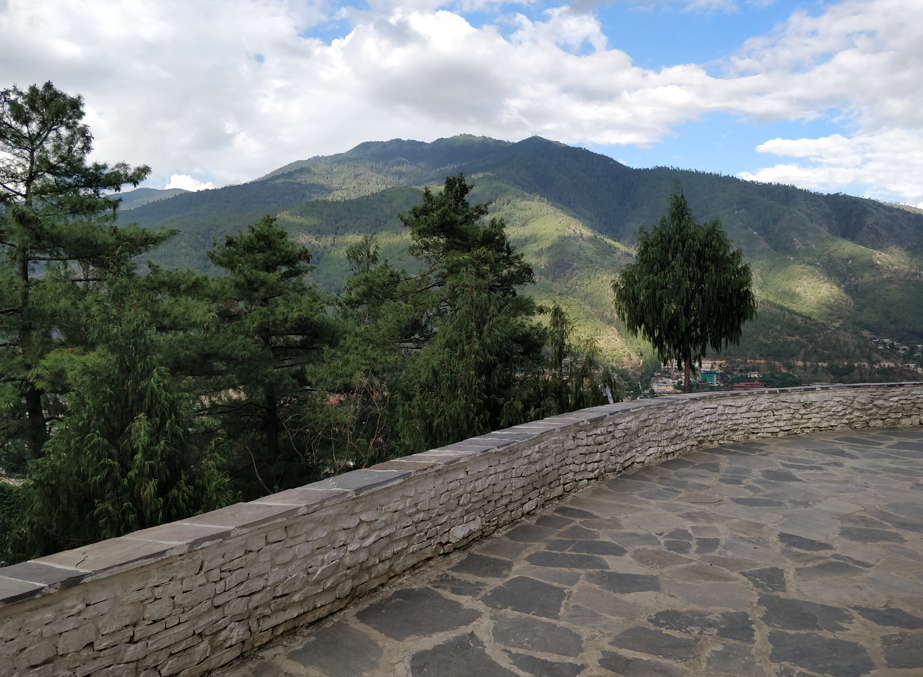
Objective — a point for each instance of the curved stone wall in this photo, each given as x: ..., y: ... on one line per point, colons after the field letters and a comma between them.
x: 187, y: 597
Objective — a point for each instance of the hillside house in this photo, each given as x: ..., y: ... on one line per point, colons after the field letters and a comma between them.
x: 749, y: 385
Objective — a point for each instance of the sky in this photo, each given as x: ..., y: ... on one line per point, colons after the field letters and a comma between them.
x: 824, y: 95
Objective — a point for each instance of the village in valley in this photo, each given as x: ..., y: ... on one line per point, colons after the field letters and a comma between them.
x: 744, y: 375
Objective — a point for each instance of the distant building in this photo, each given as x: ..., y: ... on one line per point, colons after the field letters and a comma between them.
x: 663, y: 386
x: 753, y: 374
x: 711, y: 376
x: 749, y: 385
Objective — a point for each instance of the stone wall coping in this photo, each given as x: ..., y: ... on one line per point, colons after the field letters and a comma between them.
x: 46, y: 575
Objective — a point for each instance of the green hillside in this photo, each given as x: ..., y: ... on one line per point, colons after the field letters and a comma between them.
x: 825, y: 266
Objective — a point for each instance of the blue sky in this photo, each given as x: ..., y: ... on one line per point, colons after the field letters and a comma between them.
x: 820, y: 94
x: 668, y: 34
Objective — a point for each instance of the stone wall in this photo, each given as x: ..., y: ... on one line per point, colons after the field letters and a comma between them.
x: 187, y: 597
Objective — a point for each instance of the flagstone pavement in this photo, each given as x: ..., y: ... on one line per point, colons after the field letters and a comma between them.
x: 787, y: 557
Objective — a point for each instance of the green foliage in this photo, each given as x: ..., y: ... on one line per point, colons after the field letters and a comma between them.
x: 129, y: 453
x: 452, y: 239
x: 476, y: 336
x: 449, y: 352
x: 486, y: 366
x: 448, y: 234
x: 840, y: 370
x: 468, y: 378
x: 686, y: 291
x: 353, y: 411
x: 12, y: 524
x: 358, y: 381
x: 781, y: 379
x: 574, y: 378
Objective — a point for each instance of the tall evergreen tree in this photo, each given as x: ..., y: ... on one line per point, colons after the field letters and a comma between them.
x: 478, y: 339
x: 686, y: 291
x: 129, y: 452
x: 450, y: 352
x: 268, y: 324
x: 55, y: 224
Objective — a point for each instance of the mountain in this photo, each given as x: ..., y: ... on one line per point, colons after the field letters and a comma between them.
x: 133, y: 199
x: 826, y: 267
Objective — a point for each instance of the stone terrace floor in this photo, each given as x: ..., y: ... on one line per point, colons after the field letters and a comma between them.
x: 787, y: 557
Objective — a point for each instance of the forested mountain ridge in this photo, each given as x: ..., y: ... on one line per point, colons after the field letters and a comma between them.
x: 829, y: 263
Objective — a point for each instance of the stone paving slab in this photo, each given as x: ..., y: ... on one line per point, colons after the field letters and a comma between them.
x: 794, y: 557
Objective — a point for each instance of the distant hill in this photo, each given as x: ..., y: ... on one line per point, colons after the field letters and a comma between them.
x: 909, y: 208
x: 138, y: 197
x: 826, y: 266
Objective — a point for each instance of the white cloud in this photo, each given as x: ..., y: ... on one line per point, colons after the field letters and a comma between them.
x: 563, y: 28
x: 178, y: 85
x: 887, y: 163
x: 862, y: 58
x: 186, y: 182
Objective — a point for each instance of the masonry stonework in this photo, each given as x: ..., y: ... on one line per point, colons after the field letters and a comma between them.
x: 187, y: 597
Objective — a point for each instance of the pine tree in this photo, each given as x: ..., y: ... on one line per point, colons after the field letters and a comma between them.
x: 453, y: 238
x: 55, y: 225
x: 477, y: 336
x: 267, y: 324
